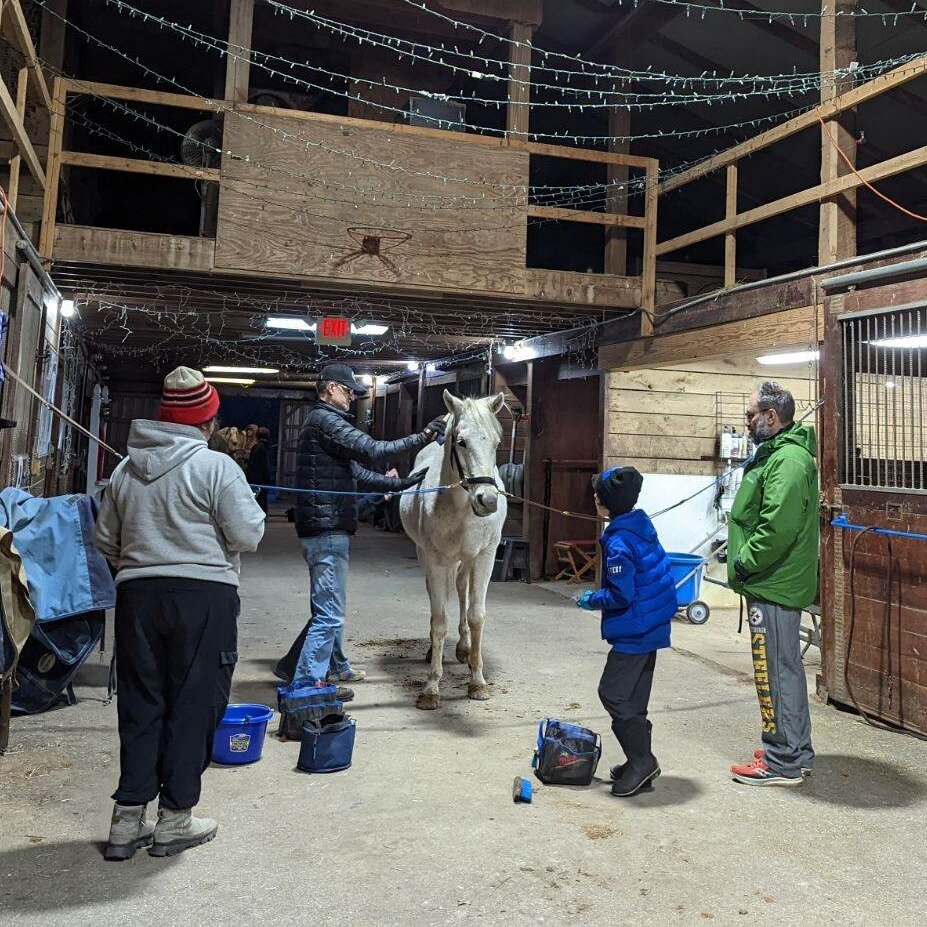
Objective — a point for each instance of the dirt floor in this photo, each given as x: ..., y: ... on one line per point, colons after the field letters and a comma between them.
x: 422, y: 829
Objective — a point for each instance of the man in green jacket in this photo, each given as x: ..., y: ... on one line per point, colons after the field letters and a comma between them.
x: 773, y: 562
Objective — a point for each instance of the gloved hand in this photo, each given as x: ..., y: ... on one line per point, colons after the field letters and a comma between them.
x: 740, y: 571
x: 585, y: 601
x: 413, y: 479
x: 436, y: 428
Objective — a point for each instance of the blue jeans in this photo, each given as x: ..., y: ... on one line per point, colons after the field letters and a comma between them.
x: 326, y: 555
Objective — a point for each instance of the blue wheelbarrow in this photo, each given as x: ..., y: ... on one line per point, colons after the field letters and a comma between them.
x: 687, y: 571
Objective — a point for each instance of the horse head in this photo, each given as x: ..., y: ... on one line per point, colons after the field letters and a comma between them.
x: 473, y: 436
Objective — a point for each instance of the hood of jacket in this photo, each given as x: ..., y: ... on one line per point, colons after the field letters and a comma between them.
x: 156, y: 448
x: 635, y: 521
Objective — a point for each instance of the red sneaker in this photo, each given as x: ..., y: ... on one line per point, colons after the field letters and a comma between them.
x: 758, y: 773
x: 761, y: 755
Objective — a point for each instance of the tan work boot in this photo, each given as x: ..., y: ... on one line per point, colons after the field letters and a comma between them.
x: 128, y: 832
x: 177, y: 831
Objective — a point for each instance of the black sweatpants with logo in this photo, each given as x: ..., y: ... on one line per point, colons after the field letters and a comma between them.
x: 176, y: 648
x: 624, y: 690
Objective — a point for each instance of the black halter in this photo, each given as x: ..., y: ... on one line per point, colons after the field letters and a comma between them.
x: 468, y: 481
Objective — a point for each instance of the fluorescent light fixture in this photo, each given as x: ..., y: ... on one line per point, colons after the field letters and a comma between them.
x: 231, y: 381
x: 366, y: 379
x: 289, y: 322
x: 67, y: 308
x: 906, y: 341
x: 414, y: 366
x: 793, y: 357
x: 245, y: 370
x: 370, y: 328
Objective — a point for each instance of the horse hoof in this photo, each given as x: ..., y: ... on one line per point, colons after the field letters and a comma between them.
x: 478, y: 693
x: 463, y: 653
x: 428, y: 702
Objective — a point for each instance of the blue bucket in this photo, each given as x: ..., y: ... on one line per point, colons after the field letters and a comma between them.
x: 239, y: 739
x: 687, y: 590
x: 327, y: 748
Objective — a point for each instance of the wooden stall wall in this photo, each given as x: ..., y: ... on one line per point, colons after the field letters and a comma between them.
x: 354, y: 224
x: 565, y: 428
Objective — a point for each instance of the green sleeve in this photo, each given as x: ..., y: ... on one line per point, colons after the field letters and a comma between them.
x: 783, y: 511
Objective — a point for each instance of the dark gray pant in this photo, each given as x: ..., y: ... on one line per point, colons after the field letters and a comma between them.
x: 624, y: 691
x: 781, y: 686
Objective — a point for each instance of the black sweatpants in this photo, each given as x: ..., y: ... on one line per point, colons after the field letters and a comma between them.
x: 176, y: 648
x: 625, y: 692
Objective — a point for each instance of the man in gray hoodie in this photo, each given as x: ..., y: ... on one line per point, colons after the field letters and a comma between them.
x: 173, y: 522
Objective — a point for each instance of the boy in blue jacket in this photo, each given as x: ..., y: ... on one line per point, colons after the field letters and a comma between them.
x: 637, y: 601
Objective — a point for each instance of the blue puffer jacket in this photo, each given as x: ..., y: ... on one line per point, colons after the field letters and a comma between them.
x: 638, y: 596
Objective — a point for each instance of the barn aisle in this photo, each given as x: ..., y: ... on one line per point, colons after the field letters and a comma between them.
x: 422, y: 829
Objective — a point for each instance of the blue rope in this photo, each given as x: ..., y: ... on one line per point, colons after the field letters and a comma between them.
x: 339, y: 492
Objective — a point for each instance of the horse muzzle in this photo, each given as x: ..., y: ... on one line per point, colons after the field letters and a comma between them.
x: 484, y: 500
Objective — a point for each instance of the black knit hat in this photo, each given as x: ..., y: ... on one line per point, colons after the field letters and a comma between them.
x: 618, y: 489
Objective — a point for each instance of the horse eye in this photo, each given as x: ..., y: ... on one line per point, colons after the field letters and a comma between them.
x: 461, y: 442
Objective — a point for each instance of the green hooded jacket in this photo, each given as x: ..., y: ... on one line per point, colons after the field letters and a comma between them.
x: 774, y: 532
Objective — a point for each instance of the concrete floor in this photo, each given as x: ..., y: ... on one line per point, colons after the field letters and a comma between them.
x: 422, y: 829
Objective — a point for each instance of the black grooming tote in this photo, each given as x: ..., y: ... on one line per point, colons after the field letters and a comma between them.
x: 567, y: 754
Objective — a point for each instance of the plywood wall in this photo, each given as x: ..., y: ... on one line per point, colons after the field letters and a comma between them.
x: 320, y: 187
x: 663, y: 420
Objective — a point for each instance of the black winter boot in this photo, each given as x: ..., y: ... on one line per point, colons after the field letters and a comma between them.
x: 633, y: 779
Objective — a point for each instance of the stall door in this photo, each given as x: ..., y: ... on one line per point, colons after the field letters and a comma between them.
x: 293, y: 415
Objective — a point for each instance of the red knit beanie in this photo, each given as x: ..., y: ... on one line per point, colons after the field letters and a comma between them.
x: 187, y: 399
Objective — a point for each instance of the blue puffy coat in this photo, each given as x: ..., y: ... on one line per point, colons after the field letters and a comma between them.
x: 638, y: 596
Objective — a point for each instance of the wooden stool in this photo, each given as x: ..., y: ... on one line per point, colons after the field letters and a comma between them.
x: 577, y: 558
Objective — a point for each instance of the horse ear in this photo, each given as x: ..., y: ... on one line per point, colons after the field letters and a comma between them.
x: 496, y: 403
x: 452, y: 403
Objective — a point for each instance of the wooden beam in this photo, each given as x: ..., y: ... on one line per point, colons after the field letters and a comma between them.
x: 649, y: 269
x: 837, y: 222
x: 53, y: 162
x: 14, y: 23
x: 14, y: 123
x: 905, y: 162
x: 238, y: 63
x: 617, y: 176
x: 584, y: 154
x: 136, y: 166
x: 138, y: 95
x: 22, y: 83
x: 518, y: 111
x: 77, y: 243
x: 730, y: 239
x: 777, y: 329
x: 593, y: 218
x: 870, y: 90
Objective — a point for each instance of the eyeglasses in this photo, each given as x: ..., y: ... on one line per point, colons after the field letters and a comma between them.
x: 750, y: 416
x: 348, y: 390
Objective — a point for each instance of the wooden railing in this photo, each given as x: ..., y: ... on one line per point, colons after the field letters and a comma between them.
x: 734, y: 220
x: 59, y: 157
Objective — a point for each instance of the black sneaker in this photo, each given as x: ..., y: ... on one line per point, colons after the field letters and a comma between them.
x: 344, y: 694
x: 631, y: 781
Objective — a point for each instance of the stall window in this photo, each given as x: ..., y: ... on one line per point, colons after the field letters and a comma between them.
x: 884, y: 400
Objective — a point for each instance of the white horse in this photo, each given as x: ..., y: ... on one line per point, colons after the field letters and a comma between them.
x: 457, y: 532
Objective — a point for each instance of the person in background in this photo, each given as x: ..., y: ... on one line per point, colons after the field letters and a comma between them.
x: 335, y: 459
x: 173, y: 522
x: 773, y: 539
x: 637, y: 601
x: 258, y: 470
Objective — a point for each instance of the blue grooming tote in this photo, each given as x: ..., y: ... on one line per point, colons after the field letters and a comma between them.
x: 686, y: 570
x: 327, y: 746
x: 239, y: 738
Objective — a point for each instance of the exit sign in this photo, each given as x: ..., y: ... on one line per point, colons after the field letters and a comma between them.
x: 333, y: 329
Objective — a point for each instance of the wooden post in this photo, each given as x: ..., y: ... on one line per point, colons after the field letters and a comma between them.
x: 238, y: 63
x: 837, y: 229
x: 519, y: 105
x: 22, y: 84
x: 53, y: 169
x: 649, y: 269
x: 616, y: 200
x: 730, y: 239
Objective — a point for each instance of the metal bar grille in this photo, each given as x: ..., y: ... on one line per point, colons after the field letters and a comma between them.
x: 883, y: 394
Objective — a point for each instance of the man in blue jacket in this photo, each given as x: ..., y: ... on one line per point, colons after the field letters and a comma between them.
x: 637, y: 601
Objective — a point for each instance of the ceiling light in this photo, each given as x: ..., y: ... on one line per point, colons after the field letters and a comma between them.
x: 366, y: 379
x: 431, y: 368
x: 289, y: 322
x: 794, y: 357
x: 236, y: 381
x: 245, y: 370
x: 370, y: 328
x: 890, y: 384
x: 906, y: 341
x: 517, y: 352
x: 67, y: 308
x: 413, y: 366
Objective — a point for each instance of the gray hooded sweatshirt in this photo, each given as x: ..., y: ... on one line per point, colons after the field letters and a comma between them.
x: 176, y: 508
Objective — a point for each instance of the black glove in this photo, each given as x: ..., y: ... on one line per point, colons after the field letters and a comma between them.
x: 436, y: 429
x: 740, y: 571
x: 413, y: 479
